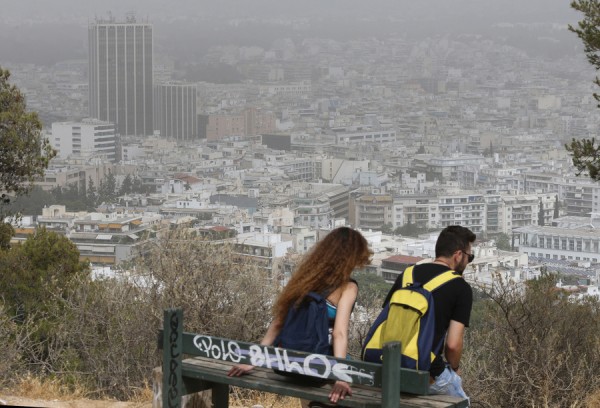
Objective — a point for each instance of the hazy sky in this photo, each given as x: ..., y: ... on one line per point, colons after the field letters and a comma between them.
x: 15, y: 11
x: 46, y: 31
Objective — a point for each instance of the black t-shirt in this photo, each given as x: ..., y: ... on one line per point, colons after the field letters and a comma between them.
x: 453, y: 301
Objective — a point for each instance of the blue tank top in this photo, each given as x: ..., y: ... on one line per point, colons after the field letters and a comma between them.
x: 331, y: 313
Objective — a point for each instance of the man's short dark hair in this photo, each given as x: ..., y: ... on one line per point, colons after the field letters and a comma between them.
x: 453, y: 238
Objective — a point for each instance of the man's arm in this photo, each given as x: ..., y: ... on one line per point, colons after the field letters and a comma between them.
x: 454, y: 343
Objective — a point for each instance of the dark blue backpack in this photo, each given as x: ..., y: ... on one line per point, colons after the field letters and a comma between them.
x: 306, y: 327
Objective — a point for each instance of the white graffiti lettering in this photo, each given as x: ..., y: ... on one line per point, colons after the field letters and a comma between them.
x: 315, y: 365
x: 308, y: 370
x: 270, y: 358
x: 257, y: 357
x: 228, y: 351
x: 346, y: 372
x: 290, y: 366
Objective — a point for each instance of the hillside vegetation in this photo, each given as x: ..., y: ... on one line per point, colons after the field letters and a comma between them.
x: 525, y: 347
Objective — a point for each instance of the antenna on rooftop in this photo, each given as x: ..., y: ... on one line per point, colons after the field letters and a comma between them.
x: 130, y: 17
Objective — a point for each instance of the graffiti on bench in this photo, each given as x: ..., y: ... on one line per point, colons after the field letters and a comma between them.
x: 314, y: 365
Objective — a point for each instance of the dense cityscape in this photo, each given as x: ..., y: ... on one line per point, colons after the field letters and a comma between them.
x: 398, y: 137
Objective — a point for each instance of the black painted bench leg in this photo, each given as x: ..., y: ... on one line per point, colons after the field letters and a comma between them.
x: 172, y: 356
x: 220, y: 396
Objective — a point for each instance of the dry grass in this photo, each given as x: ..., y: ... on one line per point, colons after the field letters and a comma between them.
x: 143, y: 394
x: 593, y: 401
x: 247, y: 399
x: 50, y: 390
x: 33, y: 387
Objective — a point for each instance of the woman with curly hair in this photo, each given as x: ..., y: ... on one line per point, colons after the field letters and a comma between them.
x: 326, y: 270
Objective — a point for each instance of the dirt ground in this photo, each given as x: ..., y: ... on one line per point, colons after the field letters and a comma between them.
x: 7, y: 400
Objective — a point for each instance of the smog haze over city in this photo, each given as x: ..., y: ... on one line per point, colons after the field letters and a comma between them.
x: 35, y: 31
x: 394, y: 117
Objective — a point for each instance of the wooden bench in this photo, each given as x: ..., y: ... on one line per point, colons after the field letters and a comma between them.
x: 373, y: 385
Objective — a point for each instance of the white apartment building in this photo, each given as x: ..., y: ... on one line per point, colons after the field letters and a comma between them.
x: 292, y: 89
x: 420, y: 210
x: 467, y: 210
x: 265, y: 249
x: 523, y: 210
x: 446, y: 168
x: 492, y: 213
x: 90, y: 137
x: 543, y: 183
x: 275, y: 219
x: 294, y: 168
x: 371, y: 211
x: 110, y: 238
x: 312, y: 210
x: 491, y: 264
x: 348, y: 136
x: 579, y: 241
x: 581, y: 199
x: 298, y: 169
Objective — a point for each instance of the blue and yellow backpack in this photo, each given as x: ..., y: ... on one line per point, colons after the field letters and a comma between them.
x: 409, y: 318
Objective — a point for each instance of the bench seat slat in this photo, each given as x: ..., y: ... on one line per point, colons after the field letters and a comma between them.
x: 266, y: 380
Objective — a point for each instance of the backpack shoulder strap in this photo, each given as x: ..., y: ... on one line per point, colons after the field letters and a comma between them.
x: 407, y: 277
x: 440, y: 280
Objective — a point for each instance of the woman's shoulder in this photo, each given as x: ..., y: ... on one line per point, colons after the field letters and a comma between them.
x: 352, y: 285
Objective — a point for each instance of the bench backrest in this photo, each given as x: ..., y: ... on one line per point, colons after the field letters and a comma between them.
x: 175, y: 343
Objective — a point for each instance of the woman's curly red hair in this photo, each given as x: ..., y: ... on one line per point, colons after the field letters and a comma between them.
x: 327, y: 267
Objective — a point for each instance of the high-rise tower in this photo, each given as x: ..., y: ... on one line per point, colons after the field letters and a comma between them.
x: 120, y: 74
x: 175, y: 111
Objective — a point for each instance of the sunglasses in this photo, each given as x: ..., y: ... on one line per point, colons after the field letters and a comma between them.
x: 471, y: 256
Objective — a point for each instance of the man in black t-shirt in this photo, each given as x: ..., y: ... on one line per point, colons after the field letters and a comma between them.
x: 453, y: 302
